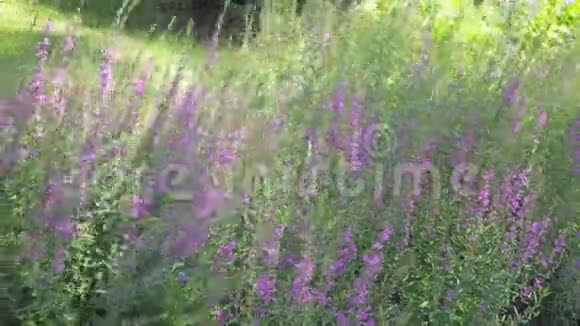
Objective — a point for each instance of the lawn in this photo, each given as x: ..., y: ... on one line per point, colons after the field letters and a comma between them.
x: 400, y: 163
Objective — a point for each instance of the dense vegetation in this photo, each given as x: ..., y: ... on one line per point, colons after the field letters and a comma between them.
x: 267, y: 183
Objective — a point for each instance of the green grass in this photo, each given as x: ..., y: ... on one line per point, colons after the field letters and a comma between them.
x: 19, y: 37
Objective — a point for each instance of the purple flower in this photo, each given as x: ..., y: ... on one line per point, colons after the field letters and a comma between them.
x: 386, y: 234
x: 488, y: 175
x: 359, y: 295
x: 511, y: 196
x: 181, y: 279
x: 377, y: 246
x: 225, y: 157
x: 347, y: 252
x: 300, y: 290
x: 42, y: 49
x: 208, y: 203
x: 545, y: 261
x: 277, y: 123
x: 510, y: 92
x: 355, y: 151
x: 372, y: 263
x: 363, y: 315
x: 189, y: 239
x: 139, y: 86
x: 69, y: 44
x: 541, y: 118
x: 531, y: 241
x: 538, y: 282
x: 483, y: 200
x: 560, y: 243
x: 105, y: 72
x: 138, y: 208
x: 265, y: 288
x: 322, y: 299
x: 271, y: 247
x: 341, y: 319
x: 450, y: 295
x: 65, y: 228
x: 261, y: 312
x: 139, y: 83
x: 36, y: 86
x: 372, y: 267
x: 225, y: 253
x: 525, y: 293
x: 333, y: 135
x: 221, y: 317
x: 346, y: 237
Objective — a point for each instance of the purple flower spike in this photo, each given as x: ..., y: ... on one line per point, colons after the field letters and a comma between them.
x: 264, y: 288
x: 510, y: 92
x: 341, y: 319
x: 560, y: 244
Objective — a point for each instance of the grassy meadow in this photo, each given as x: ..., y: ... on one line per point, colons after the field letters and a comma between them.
x: 400, y: 163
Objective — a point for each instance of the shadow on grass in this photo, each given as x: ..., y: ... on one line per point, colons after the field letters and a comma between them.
x: 102, y: 13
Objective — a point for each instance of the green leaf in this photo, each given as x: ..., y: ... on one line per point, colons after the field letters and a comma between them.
x: 403, y: 318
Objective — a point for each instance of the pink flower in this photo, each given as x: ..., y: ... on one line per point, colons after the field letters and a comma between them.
x: 69, y: 44
x: 541, y: 118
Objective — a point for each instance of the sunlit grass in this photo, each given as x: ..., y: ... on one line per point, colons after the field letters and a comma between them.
x: 19, y: 36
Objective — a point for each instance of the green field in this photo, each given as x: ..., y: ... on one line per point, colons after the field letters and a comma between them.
x: 396, y: 163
